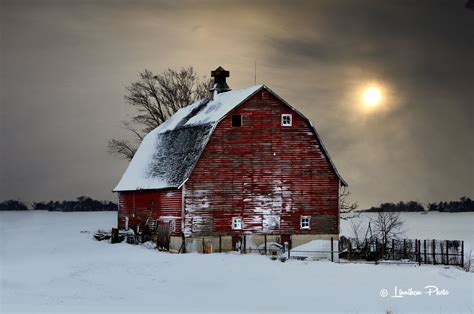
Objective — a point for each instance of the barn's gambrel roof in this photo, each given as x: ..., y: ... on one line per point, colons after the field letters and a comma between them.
x: 168, y: 154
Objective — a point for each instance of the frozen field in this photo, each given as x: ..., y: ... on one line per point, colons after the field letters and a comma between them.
x: 49, y: 263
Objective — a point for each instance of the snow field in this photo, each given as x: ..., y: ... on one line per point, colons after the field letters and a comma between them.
x: 48, y: 266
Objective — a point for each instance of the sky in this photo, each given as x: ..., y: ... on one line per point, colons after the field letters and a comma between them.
x: 65, y: 65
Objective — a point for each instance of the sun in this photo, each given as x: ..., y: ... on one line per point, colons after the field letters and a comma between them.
x: 372, y: 97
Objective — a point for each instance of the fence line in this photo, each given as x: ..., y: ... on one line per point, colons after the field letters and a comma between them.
x: 430, y: 251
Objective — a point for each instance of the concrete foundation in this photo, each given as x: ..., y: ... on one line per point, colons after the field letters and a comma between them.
x: 255, y: 243
x: 175, y: 243
x: 196, y: 244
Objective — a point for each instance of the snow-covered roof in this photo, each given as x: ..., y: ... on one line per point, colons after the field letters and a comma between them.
x: 168, y: 154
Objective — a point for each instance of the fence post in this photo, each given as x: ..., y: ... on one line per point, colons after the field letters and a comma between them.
x: 447, y: 252
x: 424, y: 249
x: 245, y: 244
x: 376, y: 250
x: 416, y: 250
x: 462, y: 254
x: 393, y: 249
x: 184, y: 242
x: 419, y: 252
x: 441, y: 249
x: 350, y: 250
x: 404, y: 248
x: 289, y: 247
x: 433, y: 244
x: 265, y: 244
x: 220, y: 244
x: 332, y: 250
x: 203, y: 245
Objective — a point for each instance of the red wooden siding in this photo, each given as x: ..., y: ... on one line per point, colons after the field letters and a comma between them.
x: 164, y: 205
x: 268, y: 174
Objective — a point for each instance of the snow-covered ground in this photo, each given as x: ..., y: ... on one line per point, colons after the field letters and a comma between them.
x: 48, y: 265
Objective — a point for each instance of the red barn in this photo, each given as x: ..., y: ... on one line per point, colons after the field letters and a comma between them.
x: 242, y: 162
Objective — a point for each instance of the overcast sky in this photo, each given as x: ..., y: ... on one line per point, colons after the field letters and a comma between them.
x: 65, y: 65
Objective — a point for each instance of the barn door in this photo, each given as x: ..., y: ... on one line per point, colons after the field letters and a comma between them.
x: 163, y: 236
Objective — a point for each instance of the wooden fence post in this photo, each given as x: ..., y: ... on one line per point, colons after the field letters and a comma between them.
x: 376, y: 250
x: 416, y: 250
x: 220, y: 244
x: 332, y: 250
x: 424, y: 249
x: 184, y: 242
x: 441, y: 249
x: 393, y: 249
x: 203, y: 245
x: 419, y: 252
x: 447, y: 252
x: 289, y: 247
x: 462, y: 254
x: 245, y: 244
x: 350, y: 250
x: 265, y: 244
x: 433, y: 247
x: 404, y: 248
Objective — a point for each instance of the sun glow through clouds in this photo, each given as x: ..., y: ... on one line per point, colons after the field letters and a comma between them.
x: 372, y: 97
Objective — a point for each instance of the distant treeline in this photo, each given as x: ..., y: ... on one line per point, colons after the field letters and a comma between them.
x: 465, y: 204
x: 82, y: 204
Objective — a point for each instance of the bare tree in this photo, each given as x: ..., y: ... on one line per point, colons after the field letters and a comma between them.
x: 356, y: 226
x: 387, y: 226
x: 155, y: 98
x: 347, y: 209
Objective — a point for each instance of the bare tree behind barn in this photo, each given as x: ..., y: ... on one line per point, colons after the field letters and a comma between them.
x: 347, y: 209
x: 155, y: 98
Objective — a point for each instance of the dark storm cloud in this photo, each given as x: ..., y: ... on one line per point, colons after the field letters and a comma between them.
x: 64, y: 66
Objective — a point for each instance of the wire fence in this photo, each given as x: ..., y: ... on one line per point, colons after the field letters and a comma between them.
x: 427, y: 251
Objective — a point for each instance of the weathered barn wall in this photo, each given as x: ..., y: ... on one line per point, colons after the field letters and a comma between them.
x: 268, y: 174
x: 164, y: 205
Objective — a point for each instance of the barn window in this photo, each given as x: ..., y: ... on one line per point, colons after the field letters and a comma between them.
x: 304, y: 222
x: 286, y: 120
x: 236, y: 120
x: 236, y: 223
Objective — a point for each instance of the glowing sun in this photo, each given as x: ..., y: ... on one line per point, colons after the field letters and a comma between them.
x: 372, y: 97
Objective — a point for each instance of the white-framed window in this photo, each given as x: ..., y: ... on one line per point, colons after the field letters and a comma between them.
x: 236, y: 223
x: 286, y: 120
x: 305, y: 222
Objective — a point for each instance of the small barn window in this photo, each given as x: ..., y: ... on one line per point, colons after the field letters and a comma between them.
x: 236, y: 223
x: 286, y: 120
x: 236, y: 120
x: 304, y: 222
